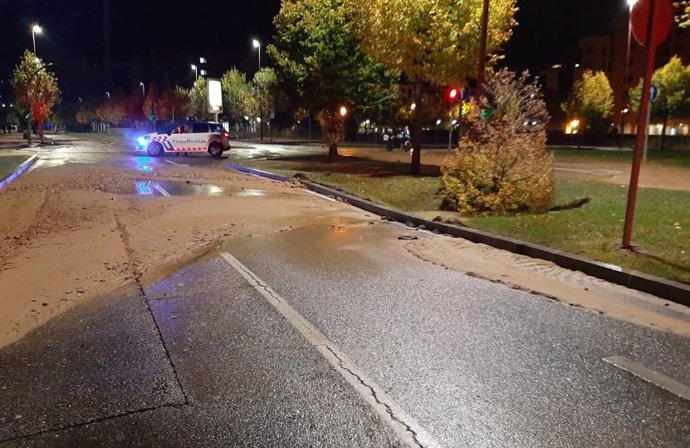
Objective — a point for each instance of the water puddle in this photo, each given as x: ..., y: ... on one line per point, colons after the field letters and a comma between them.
x: 170, y: 188
x: 249, y: 193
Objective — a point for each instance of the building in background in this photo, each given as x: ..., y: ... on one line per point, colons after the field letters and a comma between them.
x: 609, y: 53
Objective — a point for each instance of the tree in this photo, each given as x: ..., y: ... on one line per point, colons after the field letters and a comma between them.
x: 36, y: 89
x: 502, y: 165
x: 198, y: 98
x: 673, y: 84
x: 320, y: 65
x: 149, y: 105
x: 113, y: 108
x: 592, y: 100
x: 178, y: 101
x: 86, y: 112
x: 264, y: 86
x: 682, y: 16
x: 237, y: 93
x: 430, y: 41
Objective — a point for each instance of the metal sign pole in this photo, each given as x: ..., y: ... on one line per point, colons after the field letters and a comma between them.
x: 641, y: 128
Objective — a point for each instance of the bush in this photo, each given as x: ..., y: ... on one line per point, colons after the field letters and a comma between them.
x: 501, y: 165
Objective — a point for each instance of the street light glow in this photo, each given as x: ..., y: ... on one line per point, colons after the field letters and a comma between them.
x: 193, y: 67
x: 631, y: 3
x: 36, y: 29
x: 343, y: 111
x: 257, y: 45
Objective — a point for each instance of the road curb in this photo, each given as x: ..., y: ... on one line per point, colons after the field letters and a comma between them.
x: 668, y: 289
x: 255, y: 172
x: 18, y: 172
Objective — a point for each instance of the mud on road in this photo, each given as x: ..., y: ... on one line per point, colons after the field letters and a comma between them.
x: 77, y: 231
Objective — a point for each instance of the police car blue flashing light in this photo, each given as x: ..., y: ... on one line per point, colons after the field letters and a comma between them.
x: 142, y: 141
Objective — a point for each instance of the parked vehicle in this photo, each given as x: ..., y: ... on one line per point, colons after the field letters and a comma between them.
x: 185, y: 137
x: 397, y: 139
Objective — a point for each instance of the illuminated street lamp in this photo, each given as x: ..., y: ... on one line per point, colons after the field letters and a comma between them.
x: 143, y: 89
x: 196, y: 71
x: 36, y: 29
x: 343, y: 111
x: 256, y: 44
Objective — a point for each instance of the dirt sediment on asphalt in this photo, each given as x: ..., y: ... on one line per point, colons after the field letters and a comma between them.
x: 547, y: 279
x: 75, y: 232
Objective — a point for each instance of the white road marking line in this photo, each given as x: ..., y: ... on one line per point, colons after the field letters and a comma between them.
x: 402, y: 424
x: 161, y: 190
x: 651, y: 376
x: 175, y: 163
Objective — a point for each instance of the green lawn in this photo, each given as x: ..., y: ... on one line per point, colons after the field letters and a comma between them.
x: 9, y: 163
x: 662, y: 225
x: 666, y: 157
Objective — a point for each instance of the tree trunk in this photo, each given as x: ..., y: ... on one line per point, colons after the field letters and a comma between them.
x: 663, y: 133
x: 415, y: 167
x: 40, y: 130
x: 332, y: 152
x: 28, y: 127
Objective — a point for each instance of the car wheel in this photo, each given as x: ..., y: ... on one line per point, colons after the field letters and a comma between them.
x: 216, y: 149
x: 155, y: 149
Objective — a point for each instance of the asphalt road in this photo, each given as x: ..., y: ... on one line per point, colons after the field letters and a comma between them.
x: 334, y: 335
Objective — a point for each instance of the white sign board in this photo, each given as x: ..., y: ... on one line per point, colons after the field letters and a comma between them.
x: 215, y: 96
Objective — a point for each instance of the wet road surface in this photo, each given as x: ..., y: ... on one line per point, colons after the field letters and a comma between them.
x: 223, y: 354
x: 203, y: 358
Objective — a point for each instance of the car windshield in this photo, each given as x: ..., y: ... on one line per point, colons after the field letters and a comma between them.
x: 216, y: 127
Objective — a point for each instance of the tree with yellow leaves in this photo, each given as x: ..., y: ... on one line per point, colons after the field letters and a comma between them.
x: 430, y: 41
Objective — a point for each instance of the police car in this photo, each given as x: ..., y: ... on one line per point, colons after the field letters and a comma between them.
x: 189, y: 136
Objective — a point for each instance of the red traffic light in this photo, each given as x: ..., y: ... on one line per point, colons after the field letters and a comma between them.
x: 453, y: 94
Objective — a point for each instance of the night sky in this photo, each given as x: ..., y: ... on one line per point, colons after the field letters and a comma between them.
x: 152, y: 40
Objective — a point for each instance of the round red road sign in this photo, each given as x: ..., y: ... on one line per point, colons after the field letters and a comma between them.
x: 663, y: 20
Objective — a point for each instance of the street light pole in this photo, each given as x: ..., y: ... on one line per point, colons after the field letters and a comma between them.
x: 624, y: 111
x: 196, y: 71
x: 143, y: 89
x: 36, y: 29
